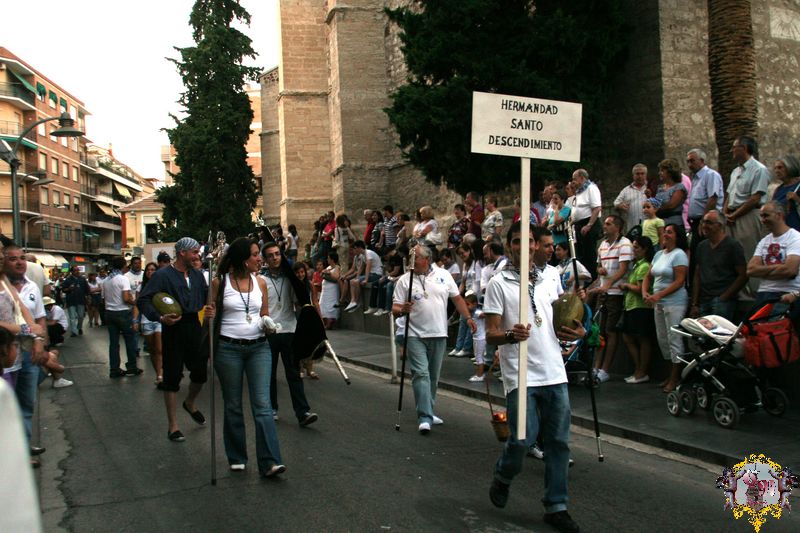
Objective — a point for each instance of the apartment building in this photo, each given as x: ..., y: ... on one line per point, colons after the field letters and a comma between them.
x: 68, y: 190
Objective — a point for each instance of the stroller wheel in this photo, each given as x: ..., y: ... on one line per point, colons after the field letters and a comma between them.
x: 775, y: 401
x: 726, y: 412
x: 673, y: 404
x: 688, y: 402
x: 701, y: 393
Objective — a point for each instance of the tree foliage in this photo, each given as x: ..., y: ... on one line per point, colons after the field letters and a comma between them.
x: 546, y: 49
x: 214, y: 189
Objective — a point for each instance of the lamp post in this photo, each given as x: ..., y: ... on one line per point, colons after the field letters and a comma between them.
x: 9, y: 154
x: 27, y: 230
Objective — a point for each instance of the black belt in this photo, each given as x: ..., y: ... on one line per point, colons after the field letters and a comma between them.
x: 244, y: 342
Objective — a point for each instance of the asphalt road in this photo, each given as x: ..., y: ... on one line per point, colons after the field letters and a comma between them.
x: 110, y: 467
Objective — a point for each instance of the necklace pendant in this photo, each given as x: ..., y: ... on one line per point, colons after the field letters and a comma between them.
x: 249, y: 318
x: 537, y: 320
x: 425, y: 294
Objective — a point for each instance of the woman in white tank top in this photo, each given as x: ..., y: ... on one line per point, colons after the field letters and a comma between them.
x: 241, y: 299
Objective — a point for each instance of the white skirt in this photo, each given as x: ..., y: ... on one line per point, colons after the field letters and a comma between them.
x: 329, y: 296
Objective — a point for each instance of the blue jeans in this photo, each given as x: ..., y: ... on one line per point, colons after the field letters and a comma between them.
x: 777, y: 308
x: 464, y: 337
x: 385, y: 291
x: 715, y: 306
x: 425, y: 357
x: 76, y: 313
x: 26, y: 389
x: 553, y: 422
x: 232, y: 362
x: 121, y: 322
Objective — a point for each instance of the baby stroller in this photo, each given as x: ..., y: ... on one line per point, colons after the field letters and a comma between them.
x: 721, y: 377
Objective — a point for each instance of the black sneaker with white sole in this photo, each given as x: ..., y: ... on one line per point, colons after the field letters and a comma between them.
x: 562, y: 521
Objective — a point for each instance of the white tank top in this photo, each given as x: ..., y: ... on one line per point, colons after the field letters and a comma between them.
x: 234, y: 319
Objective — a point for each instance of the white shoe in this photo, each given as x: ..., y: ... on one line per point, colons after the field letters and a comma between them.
x: 275, y: 416
x: 453, y: 352
x: 274, y: 470
x: 237, y: 467
x: 534, y: 451
x: 381, y: 312
x: 351, y: 307
x: 602, y: 375
x: 424, y: 428
x: 437, y: 421
x: 636, y: 381
x: 371, y: 310
x: 476, y: 379
x: 462, y: 353
x: 60, y: 383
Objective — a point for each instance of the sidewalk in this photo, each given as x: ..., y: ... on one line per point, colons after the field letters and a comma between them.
x: 635, y: 412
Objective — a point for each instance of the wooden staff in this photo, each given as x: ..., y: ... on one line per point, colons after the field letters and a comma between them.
x: 411, y: 261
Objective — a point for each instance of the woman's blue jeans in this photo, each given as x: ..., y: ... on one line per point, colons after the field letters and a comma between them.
x: 232, y: 362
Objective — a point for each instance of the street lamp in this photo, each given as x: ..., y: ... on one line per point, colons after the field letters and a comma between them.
x: 9, y: 155
x: 27, y: 230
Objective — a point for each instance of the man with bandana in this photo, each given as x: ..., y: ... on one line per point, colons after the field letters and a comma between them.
x: 182, y: 334
x: 548, y: 408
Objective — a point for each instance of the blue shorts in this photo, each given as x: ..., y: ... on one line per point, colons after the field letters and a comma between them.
x: 148, y: 327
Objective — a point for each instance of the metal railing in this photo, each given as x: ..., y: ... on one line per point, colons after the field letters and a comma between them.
x: 16, y: 90
x: 12, y: 128
x: 90, y: 190
x: 25, y: 204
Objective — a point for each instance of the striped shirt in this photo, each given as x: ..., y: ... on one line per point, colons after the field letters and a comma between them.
x: 609, y: 257
x: 390, y: 227
x: 634, y: 197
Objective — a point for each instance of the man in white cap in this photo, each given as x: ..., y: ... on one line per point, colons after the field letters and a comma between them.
x: 57, y: 322
x: 181, y: 334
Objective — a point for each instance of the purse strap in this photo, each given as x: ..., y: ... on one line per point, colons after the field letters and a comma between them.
x: 486, y: 381
x: 18, y: 316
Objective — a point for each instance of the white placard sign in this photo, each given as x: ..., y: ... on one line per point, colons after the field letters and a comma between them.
x: 526, y: 127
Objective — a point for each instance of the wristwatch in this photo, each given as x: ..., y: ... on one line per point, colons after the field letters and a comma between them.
x: 510, y: 336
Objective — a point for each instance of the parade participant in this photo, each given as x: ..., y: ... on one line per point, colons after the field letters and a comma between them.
x: 151, y: 331
x: 76, y: 289
x: 427, y: 331
x: 282, y: 309
x: 135, y: 274
x: 182, y: 334
x: 241, y: 300
x: 93, y: 303
x: 546, y: 381
x: 329, y: 291
x: 120, y: 318
x: 300, y: 270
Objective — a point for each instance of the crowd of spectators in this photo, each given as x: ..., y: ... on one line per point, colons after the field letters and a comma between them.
x: 676, y: 245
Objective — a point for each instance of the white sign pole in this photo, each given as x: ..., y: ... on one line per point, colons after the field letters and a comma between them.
x: 524, y: 268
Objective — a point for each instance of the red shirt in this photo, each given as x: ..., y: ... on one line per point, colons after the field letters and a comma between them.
x: 368, y: 232
x: 327, y: 233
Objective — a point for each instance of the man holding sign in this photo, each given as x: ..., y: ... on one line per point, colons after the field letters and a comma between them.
x: 546, y: 379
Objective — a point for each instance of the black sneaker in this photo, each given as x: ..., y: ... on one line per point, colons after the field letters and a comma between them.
x: 117, y: 373
x: 308, y: 419
x: 135, y: 371
x: 176, y: 436
x: 498, y: 493
x: 562, y: 521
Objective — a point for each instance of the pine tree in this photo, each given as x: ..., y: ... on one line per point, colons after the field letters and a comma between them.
x: 545, y: 48
x: 214, y: 189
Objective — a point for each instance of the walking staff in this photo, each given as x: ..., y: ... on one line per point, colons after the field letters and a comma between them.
x: 405, y: 342
x: 214, y: 257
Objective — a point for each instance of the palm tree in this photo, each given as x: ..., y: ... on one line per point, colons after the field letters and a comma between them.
x: 732, y: 72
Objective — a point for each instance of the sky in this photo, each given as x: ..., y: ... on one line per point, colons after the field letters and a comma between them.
x: 112, y: 58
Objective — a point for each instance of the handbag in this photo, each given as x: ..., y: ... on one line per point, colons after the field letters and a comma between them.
x: 434, y: 238
x: 771, y: 344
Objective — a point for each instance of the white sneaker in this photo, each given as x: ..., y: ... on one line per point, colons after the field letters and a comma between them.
x: 274, y: 470
x: 437, y: 421
x: 351, y: 307
x: 534, y: 451
x: 60, y: 383
x: 462, y: 353
x: 476, y: 379
x: 237, y: 467
x: 453, y: 352
x: 424, y: 428
x: 381, y: 312
x: 602, y: 375
x: 275, y: 416
x: 370, y: 310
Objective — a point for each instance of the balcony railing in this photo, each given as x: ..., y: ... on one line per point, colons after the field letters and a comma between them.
x: 90, y: 190
x: 10, y: 128
x: 25, y: 204
x: 16, y: 90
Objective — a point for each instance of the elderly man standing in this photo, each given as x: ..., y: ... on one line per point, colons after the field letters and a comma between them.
x: 630, y: 199
x: 427, y: 330
x: 746, y: 193
x: 777, y: 257
x: 706, y: 195
x: 586, y: 207
x: 720, y: 270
